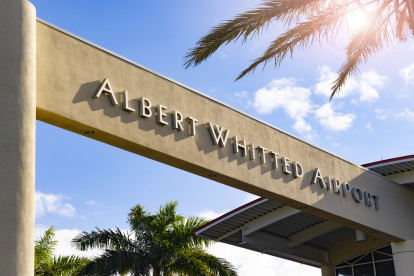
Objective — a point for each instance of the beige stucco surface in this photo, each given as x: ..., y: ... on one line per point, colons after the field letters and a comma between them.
x: 70, y: 71
x: 403, y: 254
x: 17, y: 138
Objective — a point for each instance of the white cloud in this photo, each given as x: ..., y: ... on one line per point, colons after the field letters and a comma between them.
x: 53, y: 204
x: 406, y: 113
x: 210, y: 215
x: 369, y: 83
x: 296, y: 101
x: 212, y: 90
x: 302, y: 126
x: 242, y: 94
x: 407, y: 74
x: 381, y: 114
x: 285, y: 94
x: 366, y: 88
x: 251, y: 263
x: 369, y: 126
x: 334, y: 121
x: 40, y: 230
x: 326, y: 79
x: 91, y: 203
x: 250, y: 198
x: 64, y: 246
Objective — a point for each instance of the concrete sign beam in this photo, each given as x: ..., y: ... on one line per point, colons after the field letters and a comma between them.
x: 82, y: 88
x: 65, y: 81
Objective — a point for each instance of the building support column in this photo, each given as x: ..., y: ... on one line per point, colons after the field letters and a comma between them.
x: 403, y: 254
x: 17, y: 136
x: 327, y: 270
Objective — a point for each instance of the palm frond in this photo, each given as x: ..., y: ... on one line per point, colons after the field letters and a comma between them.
x: 410, y: 8
x: 44, y: 247
x: 402, y: 24
x: 364, y: 45
x: 68, y: 265
x: 320, y: 26
x: 167, y: 217
x: 249, y: 24
x: 315, y: 20
x: 217, y: 266
x: 141, y: 221
x: 162, y: 243
x: 187, y: 266
x: 199, y: 262
x: 182, y: 236
x: 117, y: 261
x: 103, y: 239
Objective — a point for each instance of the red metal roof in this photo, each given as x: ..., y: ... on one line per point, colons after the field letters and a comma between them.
x: 228, y: 214
x: 402, y: 158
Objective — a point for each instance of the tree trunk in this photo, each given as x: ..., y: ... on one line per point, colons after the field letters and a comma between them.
x: 156, y: 271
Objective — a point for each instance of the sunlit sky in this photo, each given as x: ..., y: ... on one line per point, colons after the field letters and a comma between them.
x: 82, y: 184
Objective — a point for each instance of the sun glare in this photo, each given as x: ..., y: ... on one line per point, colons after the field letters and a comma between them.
x: 357, y: 20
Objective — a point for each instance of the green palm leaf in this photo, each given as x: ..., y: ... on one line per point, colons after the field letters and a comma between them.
x: 199, y: 262
x: 103, y: 239
x: 313, y: 21
x: 48, y: 265
x: 163, y: 243
x: 118, y: 261
x: 363, y: 45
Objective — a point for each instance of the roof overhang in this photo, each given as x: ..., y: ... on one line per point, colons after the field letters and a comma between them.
x: 268, y: 227
x: 399, y: 169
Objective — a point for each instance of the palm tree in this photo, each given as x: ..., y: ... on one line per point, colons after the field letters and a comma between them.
x: 161, y: 244
x: 48, y: 265
x: 310, y: 21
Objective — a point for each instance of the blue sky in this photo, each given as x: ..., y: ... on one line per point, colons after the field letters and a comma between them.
x: 81, y: 183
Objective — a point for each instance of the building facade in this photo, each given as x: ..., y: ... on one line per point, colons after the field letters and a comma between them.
x: 275, y: 229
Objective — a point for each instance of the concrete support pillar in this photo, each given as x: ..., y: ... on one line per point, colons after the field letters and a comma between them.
x: 17, y: 136
x: 403, y: 253
x: 327, y: 270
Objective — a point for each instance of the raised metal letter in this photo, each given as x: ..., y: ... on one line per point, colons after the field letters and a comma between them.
x: 357, y: 194
x: 107, y: 89
x: 145, y: 108
x: 285, y: 165
x: 161, y: 115
x: 252, y: 153
x: 346, y: 189
x: 274, y: 159
x: 177, y: 118
x: 192, y: 125
x: 217, y: 135
x: 337, y: 186
x: 125, y: 105
x: 367, y: 197
x: 297, y: 169
x: 328, y: 183
x: 376, y: 201
x: 317, y: 176
x: 262, y: 154
x: 236, y: 146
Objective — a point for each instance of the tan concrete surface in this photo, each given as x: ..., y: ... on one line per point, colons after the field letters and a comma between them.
x: 403, y: 254
x: 327, y: 270
x: 17, y: 139
x: 349, y: 248
x: 403, y: 177
x: 69, y: 73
